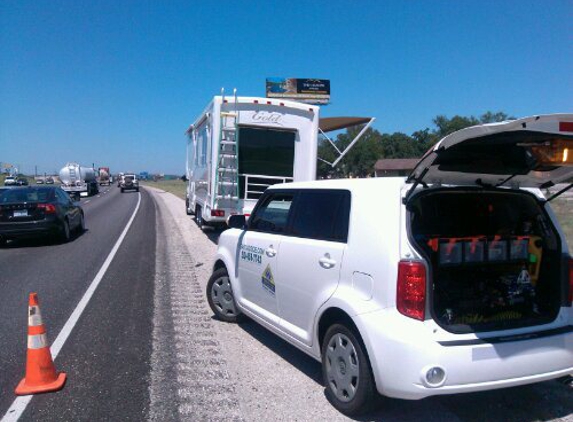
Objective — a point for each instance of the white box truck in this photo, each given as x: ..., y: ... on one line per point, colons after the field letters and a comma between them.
x: 239, y: 146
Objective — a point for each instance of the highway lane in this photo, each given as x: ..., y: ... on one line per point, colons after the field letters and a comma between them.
x: 60, y: 273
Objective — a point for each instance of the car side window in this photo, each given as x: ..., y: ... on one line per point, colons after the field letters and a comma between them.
x: 272, y: 215
x: 63, y: 197
x: 322, y: 215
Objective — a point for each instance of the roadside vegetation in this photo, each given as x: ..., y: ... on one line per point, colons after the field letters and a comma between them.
x: 176, y: 186
x: 564, y: 211
x: 375, y: 145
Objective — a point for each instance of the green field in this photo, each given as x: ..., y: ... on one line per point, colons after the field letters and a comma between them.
x: 176, y: 187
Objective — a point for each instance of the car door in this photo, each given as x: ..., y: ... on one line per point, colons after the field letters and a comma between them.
x: 310, y: 258
x: 258, y: 252
x: 68, y: 207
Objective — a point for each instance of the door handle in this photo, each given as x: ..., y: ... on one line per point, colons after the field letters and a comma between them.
x: 326, y: 261
x: 270, y: 252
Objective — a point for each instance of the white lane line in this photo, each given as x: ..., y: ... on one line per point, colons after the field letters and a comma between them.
x: 85, y: 202
x: 20, y: 404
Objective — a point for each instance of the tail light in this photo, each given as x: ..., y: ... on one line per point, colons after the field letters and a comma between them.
x: 411, y: 292
x: 48, y: 208
x: 570, y: 282
x: 217, y: 213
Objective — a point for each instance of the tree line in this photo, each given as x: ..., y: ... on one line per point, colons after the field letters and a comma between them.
x: 374, y: 145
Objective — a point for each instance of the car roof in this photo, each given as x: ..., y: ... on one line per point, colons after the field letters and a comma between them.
x: 374, y: 183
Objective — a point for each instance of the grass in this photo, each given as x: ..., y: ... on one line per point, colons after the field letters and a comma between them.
x: 177, y: 187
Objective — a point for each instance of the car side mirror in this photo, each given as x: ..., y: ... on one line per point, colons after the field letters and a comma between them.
x: 237, y: 221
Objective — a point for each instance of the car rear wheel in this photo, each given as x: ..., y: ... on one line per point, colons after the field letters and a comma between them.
x: 65, y: 232
x: 220, y: 297
x: 346, y: 371
x: 82, y: 224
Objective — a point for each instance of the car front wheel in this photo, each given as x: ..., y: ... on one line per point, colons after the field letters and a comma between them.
x: 220, y: 297
x: 346, y: 371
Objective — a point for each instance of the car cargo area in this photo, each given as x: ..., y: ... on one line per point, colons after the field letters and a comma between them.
x: 494, y: 258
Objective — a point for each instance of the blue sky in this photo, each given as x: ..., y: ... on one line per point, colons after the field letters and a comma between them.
x: 116, y: 83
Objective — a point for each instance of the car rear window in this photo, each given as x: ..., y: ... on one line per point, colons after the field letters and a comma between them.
x: 25, y: 195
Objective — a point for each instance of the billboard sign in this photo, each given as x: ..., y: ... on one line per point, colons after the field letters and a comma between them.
x: 310, y: 91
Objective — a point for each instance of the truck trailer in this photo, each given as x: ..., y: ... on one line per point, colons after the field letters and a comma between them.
x: 104, y: 177
x: 78, y: 180
x: 239, y: 146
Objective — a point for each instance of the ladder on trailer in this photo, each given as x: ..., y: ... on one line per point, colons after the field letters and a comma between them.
x: 227, y: 176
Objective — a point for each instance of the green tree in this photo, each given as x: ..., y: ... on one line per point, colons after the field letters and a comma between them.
x: 360, y: 160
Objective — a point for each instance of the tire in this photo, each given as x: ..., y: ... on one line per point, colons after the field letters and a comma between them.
x: 187, y: 207
x: 199, y: 217
x: 65, y: 233
x: 82, y: 224
x: 346, y: 371
x: 220, y: 297
x: 122, y: 190
x: 137, y: 190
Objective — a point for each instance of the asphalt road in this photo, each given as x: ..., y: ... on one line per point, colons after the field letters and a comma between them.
x: 148, y: 348
x: 105, y: 353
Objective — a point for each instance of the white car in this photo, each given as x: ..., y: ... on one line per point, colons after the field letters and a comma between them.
x: 455, y: 280
x: 10, y: 181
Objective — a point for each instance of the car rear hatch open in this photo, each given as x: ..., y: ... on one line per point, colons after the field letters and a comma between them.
x: 531, y: 152
x: 494, y: 254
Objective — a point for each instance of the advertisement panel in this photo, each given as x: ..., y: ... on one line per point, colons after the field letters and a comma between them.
x: 310, y: 91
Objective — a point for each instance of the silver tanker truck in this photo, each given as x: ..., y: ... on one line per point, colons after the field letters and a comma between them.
x: 78, y: 180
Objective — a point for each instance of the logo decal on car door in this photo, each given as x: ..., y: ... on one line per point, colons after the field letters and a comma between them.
x: 268, y: 280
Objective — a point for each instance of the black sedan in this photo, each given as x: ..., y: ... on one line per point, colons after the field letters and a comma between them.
x: 38, y: 211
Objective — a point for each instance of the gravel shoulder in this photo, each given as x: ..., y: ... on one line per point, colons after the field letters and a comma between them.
x: 205, y: 369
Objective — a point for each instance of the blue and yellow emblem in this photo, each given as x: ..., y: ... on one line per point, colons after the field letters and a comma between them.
x: 268, y: 280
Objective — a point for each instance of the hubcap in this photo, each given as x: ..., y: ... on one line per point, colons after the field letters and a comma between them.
x: 222, y: 297
x: 342, y: 368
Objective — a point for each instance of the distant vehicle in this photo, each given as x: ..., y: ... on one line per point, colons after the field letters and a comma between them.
x: 39, y: 181
x: 38, y: 211
x: 129, y: 182
x: 49, y: 181
x: 10, y: 181
x: 22, y: 181
x: 144, y: 175
x: 79, y: 180
x: 104, y: 177
x: 119, y: 179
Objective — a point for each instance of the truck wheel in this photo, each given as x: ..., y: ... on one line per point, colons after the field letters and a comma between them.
x: 137, y: 190
x: 65, y: 232
x: 346, y: 371
x: 199, y: 216
x: 187, y: 207
x: 220, y: 297
x: 122, y: 190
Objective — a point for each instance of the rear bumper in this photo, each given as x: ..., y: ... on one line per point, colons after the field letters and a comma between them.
x: 403, y: 350
x: 29, y: 229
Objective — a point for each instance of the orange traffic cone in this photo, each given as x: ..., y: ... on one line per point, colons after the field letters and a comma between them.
x: 41, y: 374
